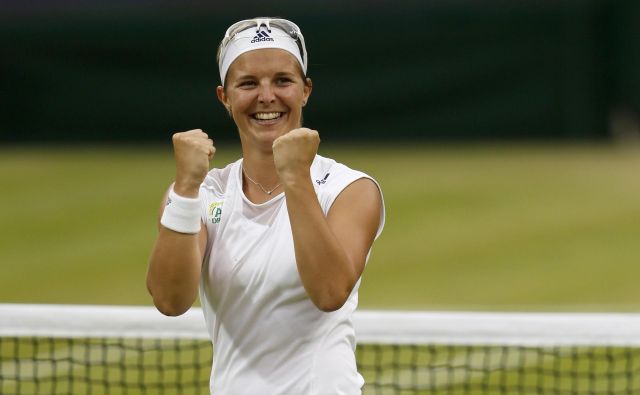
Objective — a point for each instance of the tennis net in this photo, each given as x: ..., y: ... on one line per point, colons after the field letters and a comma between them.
x: 52, y: 349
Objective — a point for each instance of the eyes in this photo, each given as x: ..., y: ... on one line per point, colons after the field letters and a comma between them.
x: 252, y: 83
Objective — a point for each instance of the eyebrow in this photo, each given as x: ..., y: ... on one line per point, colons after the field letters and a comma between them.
x: 245, y: 77
x: 284, y: 74
x: 276, y: 75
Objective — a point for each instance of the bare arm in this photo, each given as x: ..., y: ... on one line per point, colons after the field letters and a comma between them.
x: 330, y: 251
x: 174, y: 266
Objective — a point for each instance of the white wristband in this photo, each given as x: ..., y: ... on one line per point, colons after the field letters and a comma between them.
x: 181, y: 214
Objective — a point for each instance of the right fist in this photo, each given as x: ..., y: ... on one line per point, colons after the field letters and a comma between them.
x: 192, y: 150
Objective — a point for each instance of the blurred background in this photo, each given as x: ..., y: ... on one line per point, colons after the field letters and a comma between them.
x: 450, y: 70
x: 504, y: 134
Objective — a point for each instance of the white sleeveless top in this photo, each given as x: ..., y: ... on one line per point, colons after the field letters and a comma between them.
x: 268, y: 337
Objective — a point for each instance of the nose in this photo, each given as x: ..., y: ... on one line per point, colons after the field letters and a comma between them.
x: 266, y: 93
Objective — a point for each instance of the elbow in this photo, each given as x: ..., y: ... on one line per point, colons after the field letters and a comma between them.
x: 170, y: 309
x: 330, y: 307
x: 331, y: 301
x: 172, y: 312
x: 332, y: 296
x: 168, y: 306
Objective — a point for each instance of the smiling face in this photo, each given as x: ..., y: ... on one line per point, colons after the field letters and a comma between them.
x: 265, y: 92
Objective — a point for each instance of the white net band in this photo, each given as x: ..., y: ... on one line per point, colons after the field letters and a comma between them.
x: 372, y: 327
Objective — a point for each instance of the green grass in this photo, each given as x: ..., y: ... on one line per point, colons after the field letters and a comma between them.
x: 506, y: 228
x: 468, y: 227
x: 521, y: 227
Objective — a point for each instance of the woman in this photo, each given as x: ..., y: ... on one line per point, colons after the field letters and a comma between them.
x: 276, y: 241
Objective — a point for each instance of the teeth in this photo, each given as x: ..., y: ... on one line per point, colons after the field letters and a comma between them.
x: 267, y: 115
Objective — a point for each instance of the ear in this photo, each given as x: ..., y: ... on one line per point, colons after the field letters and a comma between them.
x: 223, y: 98
x: 308, y: 87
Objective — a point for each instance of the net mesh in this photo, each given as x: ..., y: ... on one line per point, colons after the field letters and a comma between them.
x: 397, y: 353
x: 429, y: 369
x: 37, y: 365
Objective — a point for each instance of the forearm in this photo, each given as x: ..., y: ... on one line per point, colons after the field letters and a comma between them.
x: 323, y: 264
x: 174, y: 271
x: 174, y: 267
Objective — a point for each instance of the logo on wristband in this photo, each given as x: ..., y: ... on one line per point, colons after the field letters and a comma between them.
x: 215, y: 212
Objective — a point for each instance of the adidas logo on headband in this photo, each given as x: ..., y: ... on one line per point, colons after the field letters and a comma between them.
x: 259, y: 33
x: 261, y: 36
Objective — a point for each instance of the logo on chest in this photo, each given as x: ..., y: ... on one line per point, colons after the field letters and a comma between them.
x: 322, y: 181
x: 215, y: 212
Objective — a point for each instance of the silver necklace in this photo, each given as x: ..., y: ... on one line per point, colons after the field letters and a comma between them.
x: 267, y: 191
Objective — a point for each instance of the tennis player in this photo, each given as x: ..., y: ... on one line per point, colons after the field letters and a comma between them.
x: 276, y: 241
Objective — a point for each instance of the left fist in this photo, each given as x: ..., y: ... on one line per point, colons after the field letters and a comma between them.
x: 294, y: 152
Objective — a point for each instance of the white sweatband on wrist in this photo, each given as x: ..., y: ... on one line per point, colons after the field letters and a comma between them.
x: 181, y: 214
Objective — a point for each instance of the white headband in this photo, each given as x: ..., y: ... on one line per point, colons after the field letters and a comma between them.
x: 259, y: 34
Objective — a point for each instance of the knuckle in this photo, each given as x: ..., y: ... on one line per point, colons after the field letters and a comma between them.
x: 186, y: 135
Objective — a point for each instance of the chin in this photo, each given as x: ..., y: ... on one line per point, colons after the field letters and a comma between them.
x: 273, y: 131
x: 265, y: 138
x: 265, y: 135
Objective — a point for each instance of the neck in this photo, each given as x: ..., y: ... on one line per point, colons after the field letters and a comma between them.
x: 260, y: 179
x: 266, y: 190
x: 261, y: 169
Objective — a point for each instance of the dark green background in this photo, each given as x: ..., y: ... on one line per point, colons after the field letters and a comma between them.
x: 450, y: 70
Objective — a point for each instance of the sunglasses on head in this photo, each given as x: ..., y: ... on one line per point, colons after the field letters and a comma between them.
x: 282, y: 24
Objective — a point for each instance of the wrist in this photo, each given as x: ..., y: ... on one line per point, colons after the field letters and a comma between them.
x: 182, y: 214
x: 297, y: 178
x: 186, y: 189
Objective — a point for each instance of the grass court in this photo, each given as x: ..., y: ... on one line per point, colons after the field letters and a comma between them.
x: 490, y: 227
x: 469, y: 227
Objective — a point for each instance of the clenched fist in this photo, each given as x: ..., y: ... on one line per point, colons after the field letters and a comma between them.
x: 293, y: 153
x: 192, y: 150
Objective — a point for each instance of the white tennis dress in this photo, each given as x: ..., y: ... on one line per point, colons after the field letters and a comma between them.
x: 268, y: 337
